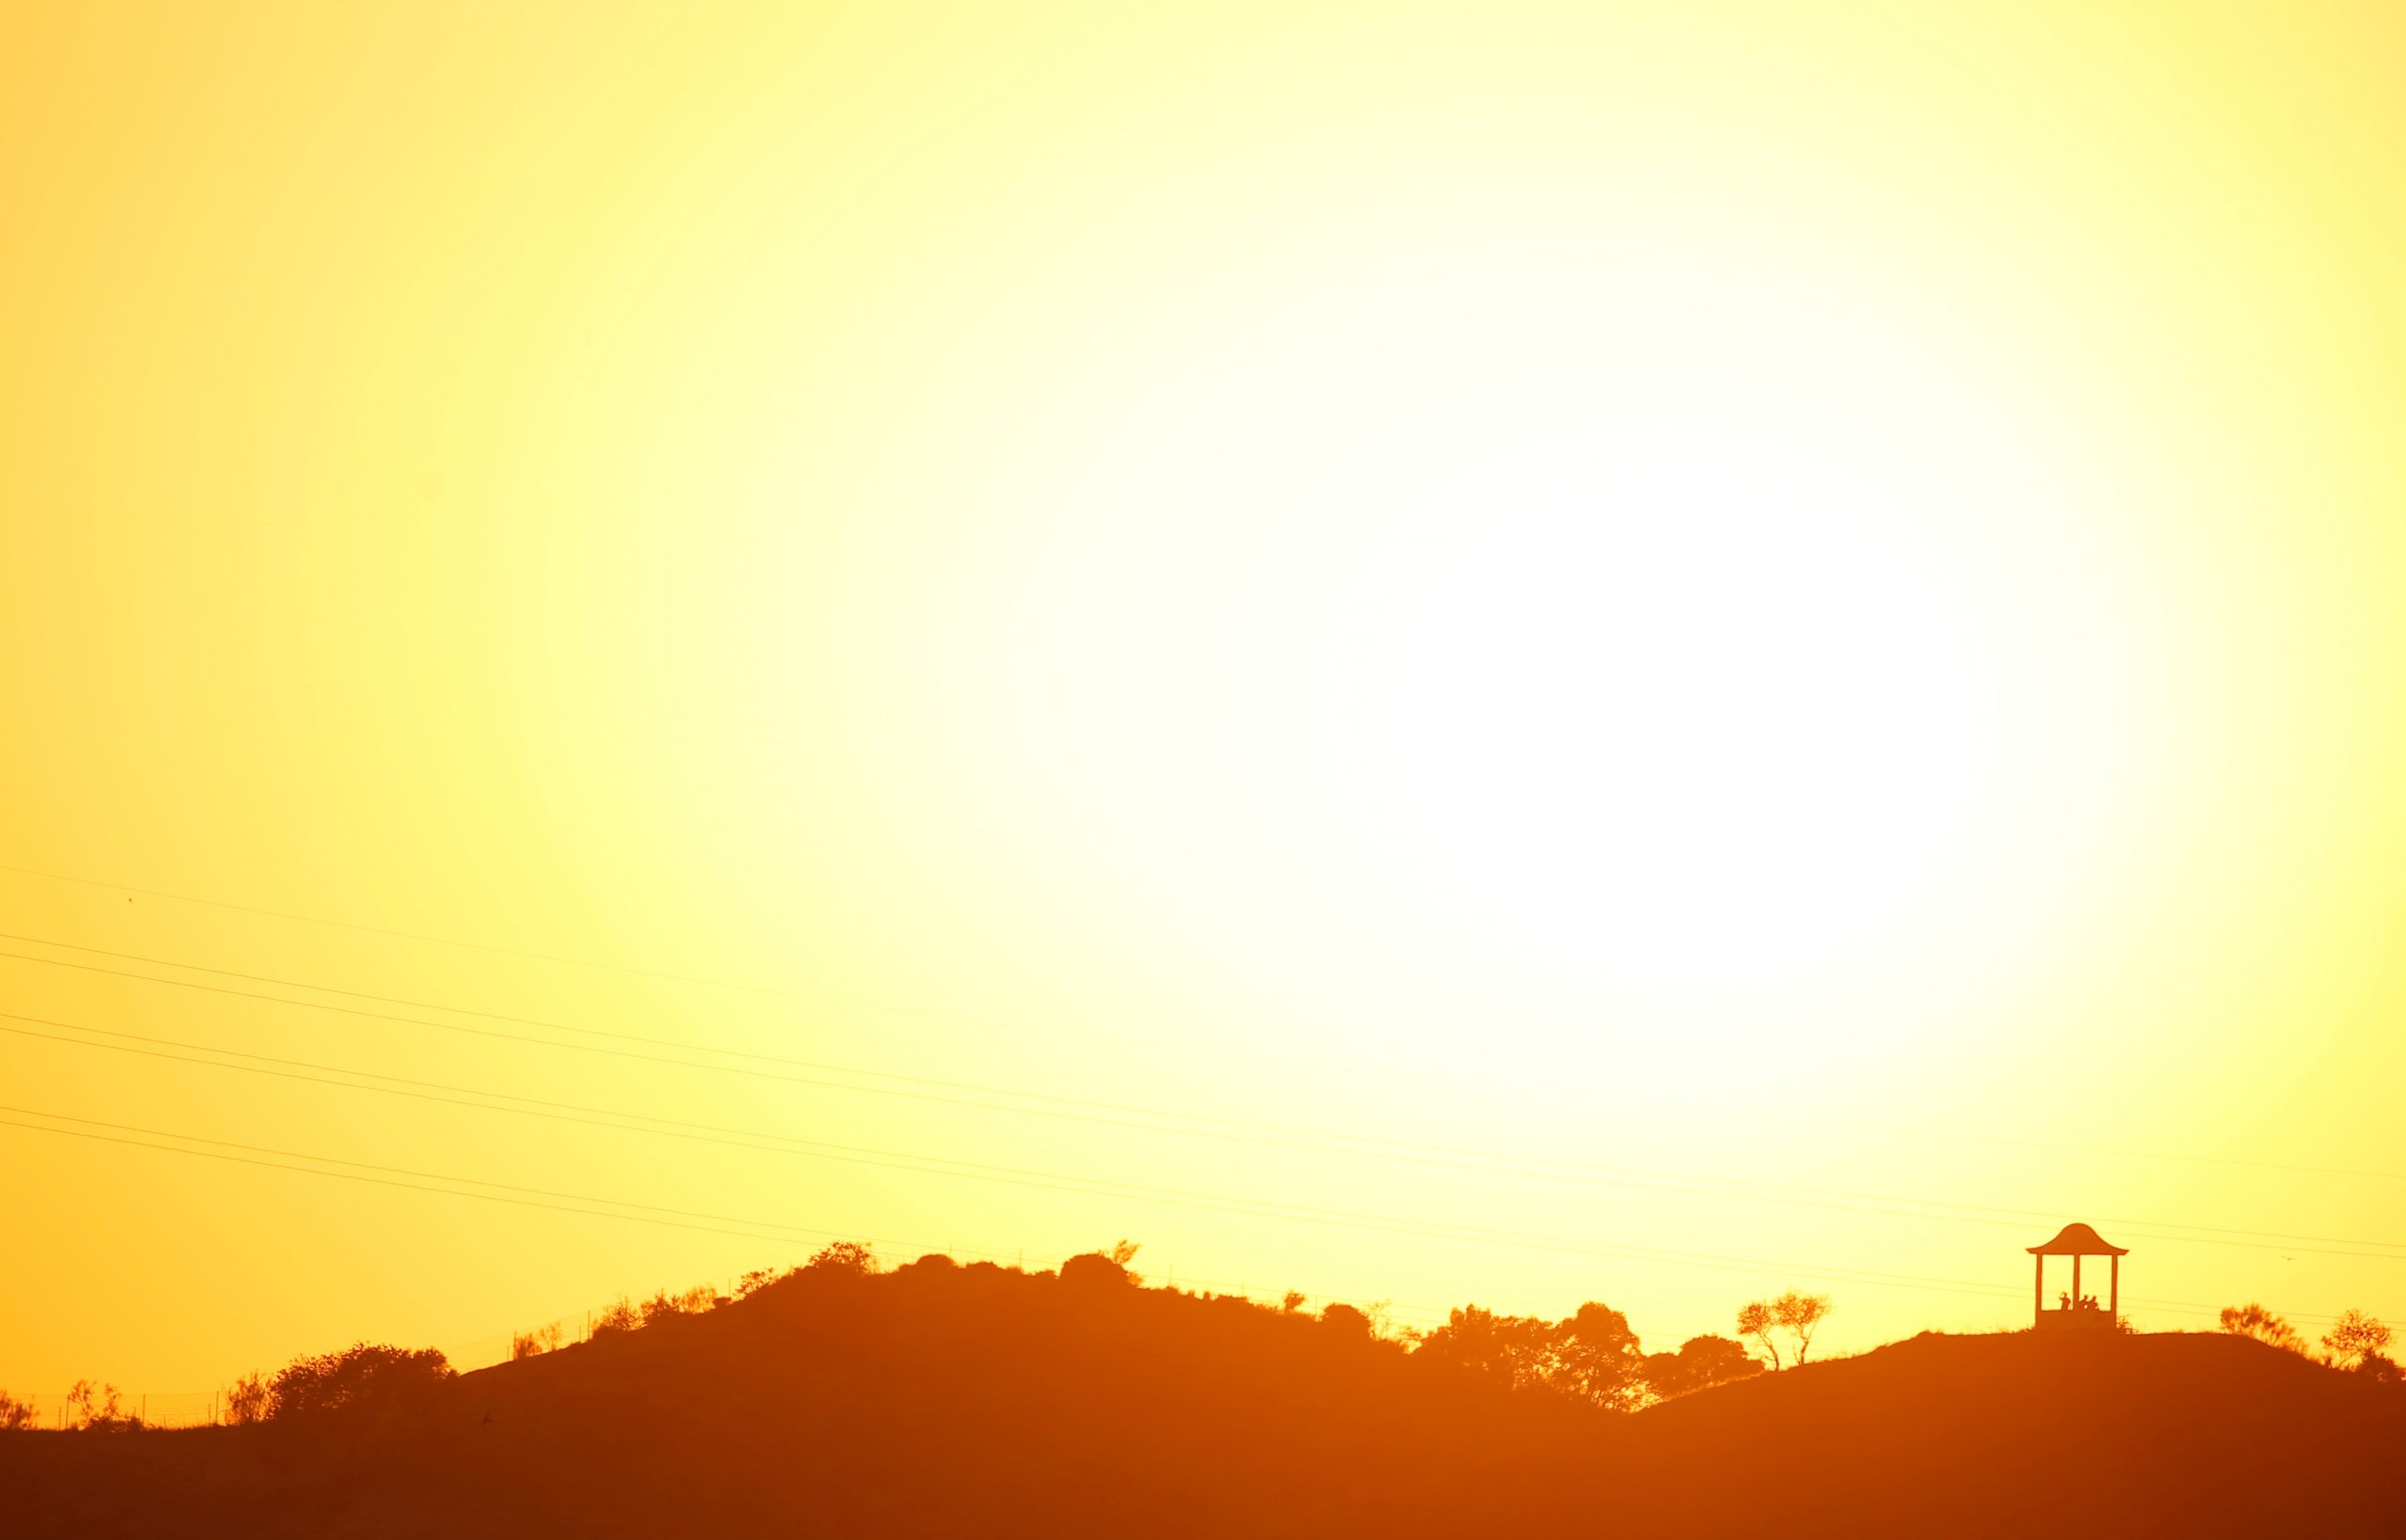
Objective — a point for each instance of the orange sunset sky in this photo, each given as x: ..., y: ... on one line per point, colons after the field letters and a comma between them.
x: 1513, y: 653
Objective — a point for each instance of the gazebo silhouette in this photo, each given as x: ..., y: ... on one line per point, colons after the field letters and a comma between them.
x: 2077, y: 1310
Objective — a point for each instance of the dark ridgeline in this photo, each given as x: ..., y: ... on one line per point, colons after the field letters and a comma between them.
x: 948, y: 1400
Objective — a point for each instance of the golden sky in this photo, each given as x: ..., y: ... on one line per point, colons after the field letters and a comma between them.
x: 1501, y: 652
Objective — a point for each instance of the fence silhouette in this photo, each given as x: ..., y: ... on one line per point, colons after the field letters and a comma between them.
x: 156, y: 1408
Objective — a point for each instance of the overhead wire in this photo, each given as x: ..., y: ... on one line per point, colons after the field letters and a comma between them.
x: 401, y: 935
x: 1192, y: 1124
x: 2304, y: 1169
x: 630, y: 1121
x: 1705, y: 1183
x: 1707, y: 1260
x: 1247, y: 1206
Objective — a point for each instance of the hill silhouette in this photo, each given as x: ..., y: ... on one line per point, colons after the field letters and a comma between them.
x: 939, y: 1399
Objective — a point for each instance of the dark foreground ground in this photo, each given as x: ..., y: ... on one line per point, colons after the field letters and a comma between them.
x: 984, y: 1402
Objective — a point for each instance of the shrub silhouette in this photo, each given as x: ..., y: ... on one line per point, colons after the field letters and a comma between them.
x: 1346, y: 1321
x: 2356, y: 1339
x: 1512, y: 1352
x: 248, y: 1401
x: 15, y: 1415
x: 1095, y: 1271
x: 363, y: 1377
x: 664, y: 1306
x: 843, y: 1256
x: 613, y: 1320
x: 98, y: 1408
x: 2253, y: 1320
x: 1591, y: 1356
x: 1107, y: 1266
x: 1700, y: 1363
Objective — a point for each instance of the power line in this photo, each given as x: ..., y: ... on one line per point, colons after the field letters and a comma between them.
x: 437, y: 1176
x: 1207, y: 1127
x: 505, y: 1186
x: 736, y: 985
x: 352, y: 1176
x: 407, y: 935
x: 1218, y: 1203
x: 1685, y: 1259
x: 626, y: 1121
x: 971, y: 1021
x: 558, y: 1026
x: 1085, y: 1103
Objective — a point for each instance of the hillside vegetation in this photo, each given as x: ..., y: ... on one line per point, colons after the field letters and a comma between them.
x: 940, y: 1399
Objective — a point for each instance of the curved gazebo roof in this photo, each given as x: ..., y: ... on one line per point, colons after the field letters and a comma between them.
x: 2078, y: 1240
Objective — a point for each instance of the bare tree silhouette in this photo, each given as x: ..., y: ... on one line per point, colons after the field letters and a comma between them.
x: 99, y: 1408
x: 1755, y: 1320
x: 2355, y: 1339
x: 1802, y: 1316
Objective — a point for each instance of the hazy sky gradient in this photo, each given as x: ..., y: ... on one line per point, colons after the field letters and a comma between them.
x: 1736, y: 594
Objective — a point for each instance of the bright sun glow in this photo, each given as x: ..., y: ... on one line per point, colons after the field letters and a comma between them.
x: 1739, y: 593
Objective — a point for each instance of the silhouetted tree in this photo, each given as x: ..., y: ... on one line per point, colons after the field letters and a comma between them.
x: 1756, y: 1320
x: 2253, y: 1320
x: 15, y: 1415
x: 366, y: 1376
x: 2354, y: 1338
x: 1094, y: 1270
x: 843, y: 1256
x: 1346, y: 1321
x: 247, y: 1402
x: 1596, y: 1359
x: 1700, y: 1363
x: 1801, y: 1316
x: 1510, y: 1350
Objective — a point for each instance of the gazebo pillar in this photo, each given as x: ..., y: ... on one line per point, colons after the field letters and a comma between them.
x: 2077, y: 1241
